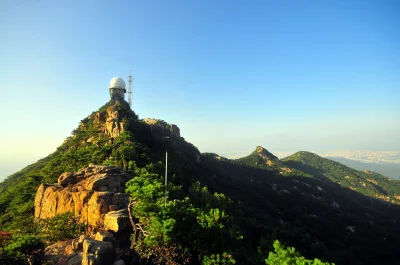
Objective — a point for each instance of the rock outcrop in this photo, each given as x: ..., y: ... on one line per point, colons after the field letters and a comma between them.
x: 102, y: 250
x: 99, y: 118
x: 163, y: 128
x: 91, y: 194
x: 114, y: 126
x: 116, y: 220
x: 58, y: 253
x: 97, y: 252
x: 110, y: 124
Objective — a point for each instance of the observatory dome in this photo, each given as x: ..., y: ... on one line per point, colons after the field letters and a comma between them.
x: 117, y: 82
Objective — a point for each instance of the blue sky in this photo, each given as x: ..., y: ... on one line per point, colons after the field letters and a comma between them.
x: 287, y: 75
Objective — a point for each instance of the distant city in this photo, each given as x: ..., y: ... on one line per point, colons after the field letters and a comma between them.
x: 365, y: 156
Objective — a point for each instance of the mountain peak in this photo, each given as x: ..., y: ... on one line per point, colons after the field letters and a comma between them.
x: 304, y: 154
x: 265, y: 154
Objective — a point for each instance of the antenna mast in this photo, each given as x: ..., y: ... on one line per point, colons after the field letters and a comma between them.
x: 130, y: 89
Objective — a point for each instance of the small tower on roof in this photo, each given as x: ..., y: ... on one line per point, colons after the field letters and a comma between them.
x: 117, y: 89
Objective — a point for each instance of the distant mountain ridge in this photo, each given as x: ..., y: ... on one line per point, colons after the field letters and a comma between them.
x: 262, y: 158
x: 308, y: 200
x: 319, y: 206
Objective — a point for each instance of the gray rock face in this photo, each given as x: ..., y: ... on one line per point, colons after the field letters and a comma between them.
x: 66, y: 178
x: 106, y: 237
x: 91, y: 246
x: 76, y: 259
x: 78, y: 243
x: 54, y: 254
x: 117, y: 220
x: 88, y: 259
x: 97, y: 252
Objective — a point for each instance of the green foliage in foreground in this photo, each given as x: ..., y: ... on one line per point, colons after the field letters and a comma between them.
x: 19, y: 249
x: 192, y: 226
x: 26, y: 244
x: 60, y: 227
x: 289, y: 256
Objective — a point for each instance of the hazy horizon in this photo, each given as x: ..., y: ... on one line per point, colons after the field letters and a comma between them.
x: 14, y: 166
x: 286, y: 75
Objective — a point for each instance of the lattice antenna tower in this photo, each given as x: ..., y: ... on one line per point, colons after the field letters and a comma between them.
x: 130, y: 89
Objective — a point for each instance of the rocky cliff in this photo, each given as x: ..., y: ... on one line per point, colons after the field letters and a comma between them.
x: 111, y: 124
x: 162, y: 127
x: 94, y: 194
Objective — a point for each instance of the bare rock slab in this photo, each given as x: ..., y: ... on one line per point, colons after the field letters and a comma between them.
x: 117, y: 221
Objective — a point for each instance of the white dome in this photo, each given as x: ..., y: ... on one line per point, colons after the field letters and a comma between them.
x: 117, y: 82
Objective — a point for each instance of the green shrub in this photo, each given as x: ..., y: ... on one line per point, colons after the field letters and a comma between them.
x: 60, y: 227
x: 22, y: 249
x: 289, y: 256
x: 194, y: 226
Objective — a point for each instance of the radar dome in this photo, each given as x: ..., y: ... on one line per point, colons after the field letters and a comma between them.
x: 117, y: 82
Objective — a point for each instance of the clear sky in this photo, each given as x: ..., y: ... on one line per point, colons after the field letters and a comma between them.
x: 287, y: 75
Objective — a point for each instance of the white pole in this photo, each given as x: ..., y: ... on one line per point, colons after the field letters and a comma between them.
x: 166, y: 168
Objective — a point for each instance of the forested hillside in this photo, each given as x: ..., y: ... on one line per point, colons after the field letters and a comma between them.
x: 221, y: 211
x: 366, y: 182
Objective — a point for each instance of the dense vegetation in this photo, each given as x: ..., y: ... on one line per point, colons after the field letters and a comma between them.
x: 315, y: 215
x: 222, y: 211
x: 197, y: 225
x: 26, y: 244
x: 288, y: 255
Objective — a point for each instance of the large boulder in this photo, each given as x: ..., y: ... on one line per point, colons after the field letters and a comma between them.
x: 89, y: 193
x: 91, y: 246
x: 67, y: 178
x: 77, y: 243
x: 117, y: 221
x: 75, y: 259
x: 105, y: 236
x: 82, y: 250
x: 88, y: 259
x: 55, y: 253
x: 98, y: 252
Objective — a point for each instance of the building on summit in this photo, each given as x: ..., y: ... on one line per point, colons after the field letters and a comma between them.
x: 117, y: 89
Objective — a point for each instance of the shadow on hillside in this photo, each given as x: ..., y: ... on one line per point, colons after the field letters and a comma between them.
x: 318, y: 217
x: 320, y: 174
